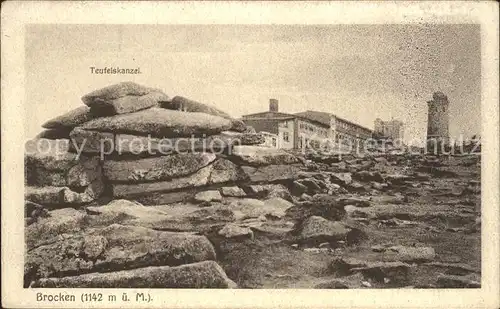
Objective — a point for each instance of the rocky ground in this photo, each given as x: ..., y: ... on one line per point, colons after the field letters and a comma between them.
x: 378, y: 221
x: 102, y: 210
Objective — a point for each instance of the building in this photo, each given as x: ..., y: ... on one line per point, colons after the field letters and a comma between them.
x: 285, y: 130
x: 306, y: 129
x: 341, y: 131
x: 391, y: 130
x: 438, y: 119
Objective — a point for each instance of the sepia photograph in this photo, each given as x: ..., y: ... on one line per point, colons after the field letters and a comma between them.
x: 264, y: 157
x: 251, y: 156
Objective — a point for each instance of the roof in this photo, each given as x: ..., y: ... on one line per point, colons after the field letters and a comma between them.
x: 281, y: 116
x: 321, y: 117
x: 325, y: 118
x: 273, y: 115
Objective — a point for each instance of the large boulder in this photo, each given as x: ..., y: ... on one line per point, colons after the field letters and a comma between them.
x: 116, y: 247
x: 179, y: 217
x: 71, y: 119
x: 61, y: 170
x: 200, y: 178
x: 135, y: 144
x: 126, y: 104
x: 258, y: 156
x: 92, y: 142
x: 57, y: 222
x: 51, y: 155
x: 156, y: 168
x: 54, y: 134
x: 186, y: 105
x: 159, y: 122
x: 116, y: 91
x: 207, y: 274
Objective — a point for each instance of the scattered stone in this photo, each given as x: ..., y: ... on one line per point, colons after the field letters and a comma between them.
x: 378, y: 248
x: 235, y: 231
x: 355, y: 201
x: 208, y: 196
x: 326, y: 206
x: 452, y: 281
x: 233, y: 191
x: 389, y: 199
x: 225, y: 171
x: 207, y: 274
x: 271, y: 173
x: 163, y: 198
x: 253, y: 208
x: 410, y: 254
x: 343, y: 266
x: 56, y: 196
x: 317, y: 230
x: 278, y: 205
x: 368, y: 176
x: 398, y: 273
x: 379, y: 186
x: 341, y: 178
x: 312, y: 185
x: 456, y: 269
x: 397, y: 178
x: 333, y: 284
x: 267, y: 191
x: 366, y: 284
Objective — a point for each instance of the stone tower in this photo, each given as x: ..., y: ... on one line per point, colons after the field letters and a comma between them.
x: 438, y: 118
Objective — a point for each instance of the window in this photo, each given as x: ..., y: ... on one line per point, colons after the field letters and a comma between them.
x: 274, y: 142
x: 286, y: 138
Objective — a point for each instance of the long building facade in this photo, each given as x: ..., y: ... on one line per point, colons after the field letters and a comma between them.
x: 306, y: 129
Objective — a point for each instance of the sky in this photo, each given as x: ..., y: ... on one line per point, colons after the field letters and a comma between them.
x: 358, y: 72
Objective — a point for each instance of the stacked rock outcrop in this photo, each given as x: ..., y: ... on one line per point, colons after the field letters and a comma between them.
x: 133, y: 142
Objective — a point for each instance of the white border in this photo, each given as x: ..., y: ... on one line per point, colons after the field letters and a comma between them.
x: 16, y: 14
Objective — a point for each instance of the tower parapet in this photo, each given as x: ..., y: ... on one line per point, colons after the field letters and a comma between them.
x: 438, y: 119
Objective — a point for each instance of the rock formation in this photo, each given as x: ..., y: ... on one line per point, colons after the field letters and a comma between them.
x: 134, y: 189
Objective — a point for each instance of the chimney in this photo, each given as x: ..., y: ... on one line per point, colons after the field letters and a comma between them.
x: 273, y: 105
